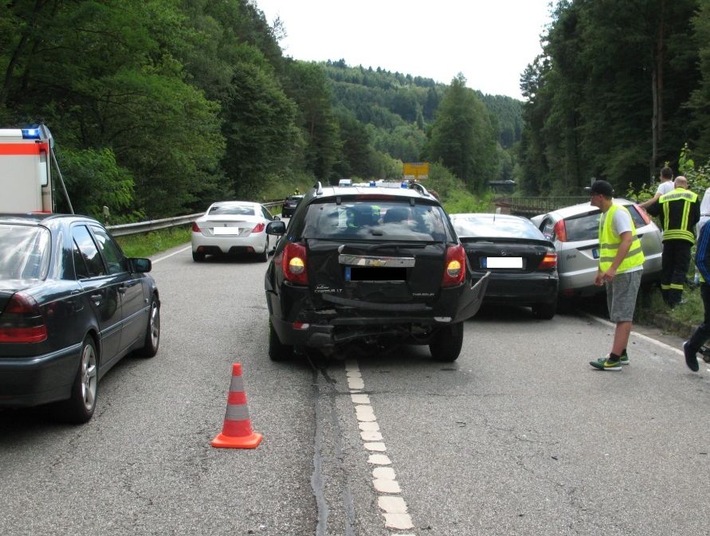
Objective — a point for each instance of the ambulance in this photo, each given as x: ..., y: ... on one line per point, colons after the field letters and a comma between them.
x: 26, y: 162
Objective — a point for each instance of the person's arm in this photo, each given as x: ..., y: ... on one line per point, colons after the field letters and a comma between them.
x: 651, y: 201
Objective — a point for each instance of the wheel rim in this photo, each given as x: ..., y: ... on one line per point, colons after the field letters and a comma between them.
x: 154, y: 325
x: 88, y: 376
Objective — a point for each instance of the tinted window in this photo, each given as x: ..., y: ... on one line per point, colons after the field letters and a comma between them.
x: 24, y: 252
x: 376, y: 220
x: 93, y: 263
x: 112, y: 253
x: 583, y: 228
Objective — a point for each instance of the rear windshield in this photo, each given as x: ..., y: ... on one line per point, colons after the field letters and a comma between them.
x: 495, y: 227
x: 239, y: 210
x: 587, y: 227
x: 376, y: 220
x: 24, y: 252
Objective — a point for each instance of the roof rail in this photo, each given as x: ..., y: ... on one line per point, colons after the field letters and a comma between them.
x: 419, y: 188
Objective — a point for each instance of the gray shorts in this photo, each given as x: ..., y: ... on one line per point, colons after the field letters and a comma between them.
x: 621, y: 295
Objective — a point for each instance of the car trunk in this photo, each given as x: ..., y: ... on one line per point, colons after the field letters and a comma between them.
x: 505, y: 255
x: 396, y: 276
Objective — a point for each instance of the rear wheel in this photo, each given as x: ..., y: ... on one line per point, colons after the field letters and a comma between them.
x: 446, y: 344
x: 198, y: 257
x: 277, y: 350
x: 264, y: 256
x: 545, y: 311
x: 82, y: 403
x: 152, y: 333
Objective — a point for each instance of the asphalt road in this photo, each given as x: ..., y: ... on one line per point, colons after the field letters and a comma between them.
x: 519, y: 436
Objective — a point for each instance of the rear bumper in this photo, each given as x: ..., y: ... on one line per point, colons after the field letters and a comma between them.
x: 297, y: 323
x: 31, y: 381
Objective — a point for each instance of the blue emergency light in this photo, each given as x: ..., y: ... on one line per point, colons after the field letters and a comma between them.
x: 31, y: 134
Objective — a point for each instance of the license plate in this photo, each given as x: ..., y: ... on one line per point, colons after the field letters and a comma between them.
x: 226, y: 230
x: 502, y: 262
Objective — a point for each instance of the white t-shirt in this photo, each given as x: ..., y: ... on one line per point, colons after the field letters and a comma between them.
x: 704, y: 210
x: 664, y: 187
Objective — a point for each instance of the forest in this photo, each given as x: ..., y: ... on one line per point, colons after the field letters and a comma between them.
x: 159, y: 107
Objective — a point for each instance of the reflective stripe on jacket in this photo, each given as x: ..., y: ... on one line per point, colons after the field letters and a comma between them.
x: 678, y: 221
x: 609, y: 243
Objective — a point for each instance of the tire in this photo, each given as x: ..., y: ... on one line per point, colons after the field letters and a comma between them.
x: 446, y: 344
x: 152, y: 331
x: 277, y: 350
x: 264, y: 256
x: 82, y: 403
x: 198, y: 257
x: 545, y: 311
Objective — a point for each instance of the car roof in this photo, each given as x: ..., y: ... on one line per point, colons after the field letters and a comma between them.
x: 581, y: 208
x: 394, y: 189
x: 41, y: 217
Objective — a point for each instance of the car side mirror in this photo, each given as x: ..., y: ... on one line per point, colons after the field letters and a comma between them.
x: 276, y: 228
x: 140, y: 265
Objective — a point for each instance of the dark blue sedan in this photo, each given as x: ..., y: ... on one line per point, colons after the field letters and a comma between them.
x: 71, y: 306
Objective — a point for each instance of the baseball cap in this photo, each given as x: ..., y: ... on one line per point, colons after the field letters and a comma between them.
x: 602, y: 187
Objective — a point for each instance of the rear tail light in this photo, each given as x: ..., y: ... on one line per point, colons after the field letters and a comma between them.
x: 293, y: 264
x: 560, y: 231
x: 643, y: 214
x: 455, y: 269
x: 22, y: 322
x: 196, y: 228
x: 549, y: 261
x: 259, y: 228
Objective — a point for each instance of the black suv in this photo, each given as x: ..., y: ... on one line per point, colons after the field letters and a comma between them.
x: 290, y: 204
x: 372, y: 265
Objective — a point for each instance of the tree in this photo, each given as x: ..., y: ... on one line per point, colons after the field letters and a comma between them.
x: 462, y: 137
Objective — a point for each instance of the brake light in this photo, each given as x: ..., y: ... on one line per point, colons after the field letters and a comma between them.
x: 196, y: 228
x: 644, y: 214
x: 259, y: 228
x: 549, y: 261
x: 455, y: 269
x: 560, y: 231
x: 21, y: 322
x: 293, y: 264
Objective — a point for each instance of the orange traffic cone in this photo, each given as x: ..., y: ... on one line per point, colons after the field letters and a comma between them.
x: 237, y: 432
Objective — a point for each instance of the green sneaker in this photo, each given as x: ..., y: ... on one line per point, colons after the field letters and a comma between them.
x: 623, y: 360
x: 606, y: 364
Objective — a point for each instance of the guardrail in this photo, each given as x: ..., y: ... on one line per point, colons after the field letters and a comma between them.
x: 531, y: 206
x: 165, y: 223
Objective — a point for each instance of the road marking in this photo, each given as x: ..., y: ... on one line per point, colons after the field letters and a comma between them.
x: 384, y: 479
x: 639, y: 335
x: 171, y: 254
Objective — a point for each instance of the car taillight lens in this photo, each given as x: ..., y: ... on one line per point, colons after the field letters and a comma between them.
x: 259, y: 228
x: 196, y: 228
x: 549, y: 261
x: 560, y: 231
x: 643, y: 214
x: 293, y: 264
x: 455, y: 269
x: 21, y: 321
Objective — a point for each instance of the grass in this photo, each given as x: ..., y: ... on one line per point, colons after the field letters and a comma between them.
x: 148, y: 244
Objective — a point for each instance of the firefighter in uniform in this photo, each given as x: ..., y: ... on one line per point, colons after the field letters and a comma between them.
x: 679, y: 212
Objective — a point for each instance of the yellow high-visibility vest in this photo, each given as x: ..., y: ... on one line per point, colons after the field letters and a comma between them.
x: 609, y: 244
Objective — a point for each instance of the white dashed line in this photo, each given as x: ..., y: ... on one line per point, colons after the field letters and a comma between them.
x: 392, y: 506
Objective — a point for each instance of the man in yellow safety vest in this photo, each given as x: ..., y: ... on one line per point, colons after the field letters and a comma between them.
x: 620, y: 269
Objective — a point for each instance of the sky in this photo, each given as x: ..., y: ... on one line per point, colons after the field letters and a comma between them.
x: 490, y: 42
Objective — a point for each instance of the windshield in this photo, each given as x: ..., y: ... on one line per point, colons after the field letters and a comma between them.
x: 24, y: 252
x: 376, y: 220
